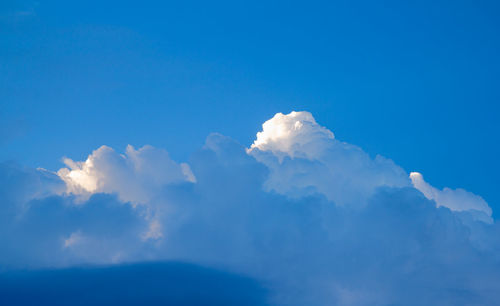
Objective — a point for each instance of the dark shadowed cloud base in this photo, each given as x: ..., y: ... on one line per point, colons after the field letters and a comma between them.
x: 167, y: 283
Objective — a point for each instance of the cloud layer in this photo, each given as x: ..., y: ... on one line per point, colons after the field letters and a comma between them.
x: 317, y: 220
x: 149, y: 284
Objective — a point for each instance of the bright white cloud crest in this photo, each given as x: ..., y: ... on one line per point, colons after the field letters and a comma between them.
x: 456, y: 200
x: 305, y: 158
x: 133, y: 176
x: 319, y: 220
x: 296, y: 135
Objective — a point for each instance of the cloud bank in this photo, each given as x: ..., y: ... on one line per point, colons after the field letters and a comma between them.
x: 136, y: 284
x: 316, y: 220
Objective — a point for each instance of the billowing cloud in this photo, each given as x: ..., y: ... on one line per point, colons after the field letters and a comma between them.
x: 454, y: 199
x: 296, y: 135
x: 317, y: 221
x: 133, y: 176
x: 305, y: 158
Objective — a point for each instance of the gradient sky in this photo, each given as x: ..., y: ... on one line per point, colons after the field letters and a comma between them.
x: 414, y: 81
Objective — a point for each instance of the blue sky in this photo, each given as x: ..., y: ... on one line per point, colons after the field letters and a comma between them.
x: 416, y: 82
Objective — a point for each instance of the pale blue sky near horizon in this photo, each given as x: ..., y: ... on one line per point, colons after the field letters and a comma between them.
x: 417, y: 82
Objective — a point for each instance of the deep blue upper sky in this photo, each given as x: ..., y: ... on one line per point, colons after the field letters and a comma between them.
x: 416, y: 82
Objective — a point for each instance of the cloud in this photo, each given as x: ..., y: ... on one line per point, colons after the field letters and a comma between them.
x: 398, y: 249
x: 454, y: 199
x: 169, y: 283
x: 315, y: 220
x: 305, y: 158
x: 296, y: 135
x: 133, y: 176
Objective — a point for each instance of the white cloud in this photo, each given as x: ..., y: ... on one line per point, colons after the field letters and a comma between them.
x: 305, y: 158
x: 296, y: 135
x: 134, y: 176
x: 455, y: 199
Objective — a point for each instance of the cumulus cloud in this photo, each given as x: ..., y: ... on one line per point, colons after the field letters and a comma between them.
x: 305, y: 158
x: 316, y: 220
x: 314, y: 252
x: 133, y: 176
x: 454, y: 199
x: 296, y: 135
